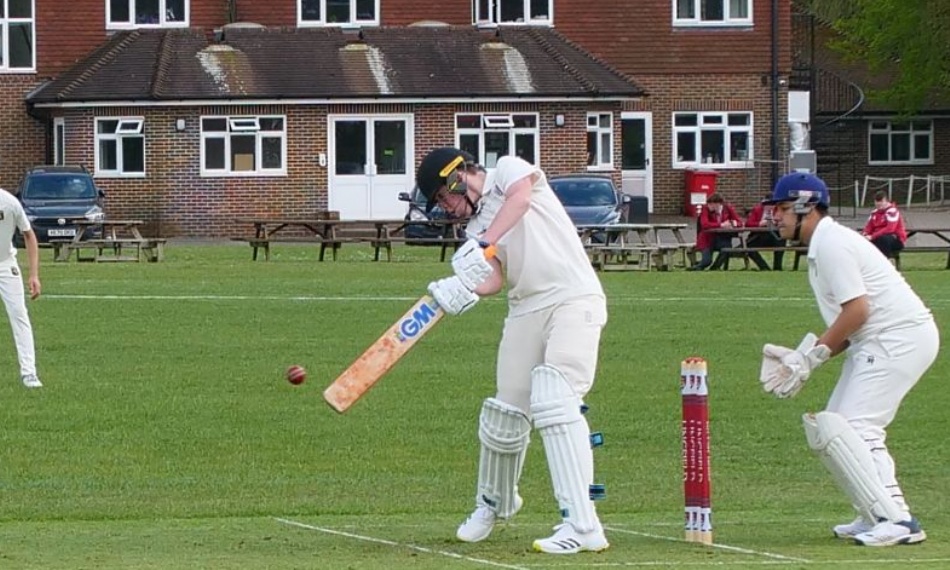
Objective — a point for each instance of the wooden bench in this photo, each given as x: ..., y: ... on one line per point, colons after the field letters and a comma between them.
x: 798, y: 250
x: 333, y: 244
x: 922, y: 249
x: 387, y: 243
x: 621, y: 258
x: 120, y: 249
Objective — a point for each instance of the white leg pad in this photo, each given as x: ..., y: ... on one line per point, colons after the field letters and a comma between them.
x: 504, y: 431
x: 849, y: 459
x: 556, y: 410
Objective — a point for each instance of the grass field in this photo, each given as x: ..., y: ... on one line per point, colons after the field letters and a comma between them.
x: 167, y: 438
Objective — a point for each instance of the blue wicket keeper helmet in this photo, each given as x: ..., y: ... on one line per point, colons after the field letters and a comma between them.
x: 803, y: 188
x: 440, y: 168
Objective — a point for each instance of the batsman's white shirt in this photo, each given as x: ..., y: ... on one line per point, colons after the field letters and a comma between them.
x: 12, y: 217
x: 843, y: 265
x: 543, y: 257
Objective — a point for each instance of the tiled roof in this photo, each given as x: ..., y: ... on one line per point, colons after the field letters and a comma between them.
x: 296, y: 63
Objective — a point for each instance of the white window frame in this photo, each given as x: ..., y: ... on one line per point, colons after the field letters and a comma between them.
x: 127, y: 128
x: 910, y: 129
x: 5, y: 21
x: 244, y: 126
x: 714, y: 121
x: 488, y: 13
x: 162, y: 15
x: 354, y: 21
x: 496, y: 123
x: 59, y: 141
x: 697, y: 20
x: 601, y: 132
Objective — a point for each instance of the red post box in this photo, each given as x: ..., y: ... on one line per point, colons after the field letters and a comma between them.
x: 698, y: 186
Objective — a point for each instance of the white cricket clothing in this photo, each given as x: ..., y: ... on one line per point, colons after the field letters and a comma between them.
x: 843, y: 265
x: 543, y: 256
x: 12, y: 291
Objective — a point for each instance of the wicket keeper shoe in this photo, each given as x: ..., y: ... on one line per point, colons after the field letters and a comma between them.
x: 889, y: 533
x: 31, y: 381
x: 566, y: 540
x: 852, y: 529
x: 480, y: 523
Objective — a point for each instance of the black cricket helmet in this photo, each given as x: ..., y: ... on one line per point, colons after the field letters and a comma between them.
x: 439, y: 168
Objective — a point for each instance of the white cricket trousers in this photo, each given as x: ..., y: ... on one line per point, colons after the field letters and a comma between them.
x: 875, y: 377
x: 566, y: 335
x: 14, y: 299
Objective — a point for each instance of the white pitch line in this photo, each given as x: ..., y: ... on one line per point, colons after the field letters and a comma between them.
x: 714, y: 545
x: 401, y: 545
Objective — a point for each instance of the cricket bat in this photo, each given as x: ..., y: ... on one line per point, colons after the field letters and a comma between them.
x: 373, y: 364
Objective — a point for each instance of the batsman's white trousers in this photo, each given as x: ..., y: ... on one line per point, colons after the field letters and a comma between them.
x: 566, y: 336
x: 14, y: 299
x: 875, y: 377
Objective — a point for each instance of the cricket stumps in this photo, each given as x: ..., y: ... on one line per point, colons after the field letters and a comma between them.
x: 696, y: 467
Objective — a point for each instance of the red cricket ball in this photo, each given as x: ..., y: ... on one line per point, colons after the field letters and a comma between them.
x: 296, y: 374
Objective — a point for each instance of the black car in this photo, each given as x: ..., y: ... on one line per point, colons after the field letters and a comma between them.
x: 55, y: 197
x: 589, y: 199
x: 416, y: 218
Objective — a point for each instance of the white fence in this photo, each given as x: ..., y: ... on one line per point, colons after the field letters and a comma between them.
x: 923, y: 190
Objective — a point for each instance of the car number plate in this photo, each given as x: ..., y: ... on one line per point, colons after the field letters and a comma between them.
x: 62, y: 233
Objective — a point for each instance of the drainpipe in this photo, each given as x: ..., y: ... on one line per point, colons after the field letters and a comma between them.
x: 775, y: 91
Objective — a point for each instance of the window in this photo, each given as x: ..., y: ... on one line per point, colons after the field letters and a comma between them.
x: 901, y: 143
x: 120, y: 146
x: 337, y: 12
x: 17, y: 40
x: 513, y: 12
x: 600, y: 140
x: 243, y: 145
x: 59, y: 141
x: 146, y: 13
x: 719, y: 139
x: 491, y: 136
x: 712, y: 12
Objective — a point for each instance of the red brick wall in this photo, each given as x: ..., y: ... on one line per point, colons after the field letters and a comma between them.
x: 22, y: 138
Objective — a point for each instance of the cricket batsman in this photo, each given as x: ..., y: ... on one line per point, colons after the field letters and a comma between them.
x: 889, y: 339
x: 548, y: 351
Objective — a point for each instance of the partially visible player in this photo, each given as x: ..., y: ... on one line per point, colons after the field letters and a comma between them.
x: 12, y: 217
x: 549, y: 345
x: 889, y: 339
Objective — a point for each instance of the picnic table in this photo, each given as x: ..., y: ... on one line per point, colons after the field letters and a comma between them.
x: 744, y: 249
x: 109, y: 240
x: 941, y: 233
x: 624, y: 247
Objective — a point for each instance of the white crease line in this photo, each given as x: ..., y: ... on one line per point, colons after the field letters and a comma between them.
x: 400, y: 545
x: 714, y: 545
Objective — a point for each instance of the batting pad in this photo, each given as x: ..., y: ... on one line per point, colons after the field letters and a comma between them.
x: 849, y: 459
x: 556, y: 410
x: 504, y: 431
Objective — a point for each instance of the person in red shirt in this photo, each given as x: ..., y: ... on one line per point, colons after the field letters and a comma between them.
x: 716, y: 213
x: 885, y: 227
x: 761, y: 217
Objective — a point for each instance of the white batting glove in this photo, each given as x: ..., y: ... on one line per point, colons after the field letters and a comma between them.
x: 470, y: 265
x: 452, y: 295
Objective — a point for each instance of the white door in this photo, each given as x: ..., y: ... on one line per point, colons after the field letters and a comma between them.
x: 368, y: 162
x: 636, y: 133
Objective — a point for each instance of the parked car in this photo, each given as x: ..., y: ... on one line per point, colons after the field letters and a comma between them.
x: 416, y: 218
x: 590, y: 199
x: 55, y: 197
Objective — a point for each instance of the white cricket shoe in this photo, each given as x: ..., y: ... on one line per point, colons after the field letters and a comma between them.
x: 889, y: 533
x: 854, y: 528
x: 566, y: 540
x: 480, y: 523
x: 31, y: 381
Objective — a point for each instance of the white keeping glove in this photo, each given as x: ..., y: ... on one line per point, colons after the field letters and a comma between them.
x: 452, y: 295
x: 785, y: 371
x: 470, y: 265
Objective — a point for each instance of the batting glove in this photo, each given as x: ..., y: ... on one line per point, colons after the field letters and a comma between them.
x: 452, y: 295
x: 470, y: 265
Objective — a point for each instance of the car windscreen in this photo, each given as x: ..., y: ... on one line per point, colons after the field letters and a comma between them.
x: 59, y: 187
x: 584, y: 192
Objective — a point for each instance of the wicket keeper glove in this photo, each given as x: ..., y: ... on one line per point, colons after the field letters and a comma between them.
x: 452, y: 295
x: 793, y: 368
x: 470, y: 264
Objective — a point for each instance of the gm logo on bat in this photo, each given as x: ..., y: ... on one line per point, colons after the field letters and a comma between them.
x: 413, y: 326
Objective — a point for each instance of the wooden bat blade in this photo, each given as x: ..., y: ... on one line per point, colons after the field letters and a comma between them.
x: 376, y: 361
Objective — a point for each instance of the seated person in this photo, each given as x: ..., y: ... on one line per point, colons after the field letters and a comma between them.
x: 716, y: 213
x: 761, y: 217
x: 885, y: 227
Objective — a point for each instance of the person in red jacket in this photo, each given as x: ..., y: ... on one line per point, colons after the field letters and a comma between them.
x: 715, y: 214
x: 885, y: 227
x: 761, y: 217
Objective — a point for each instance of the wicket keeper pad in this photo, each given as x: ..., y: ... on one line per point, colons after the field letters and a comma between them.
x: 556, y: 410
x: 504, y: 431
x: 849, y: 459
